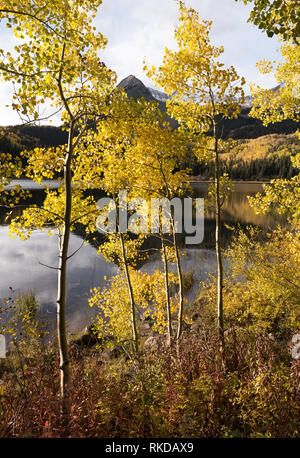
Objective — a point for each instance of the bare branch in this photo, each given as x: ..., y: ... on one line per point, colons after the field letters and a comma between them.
x: 76, y: 251
x: 49, y: 267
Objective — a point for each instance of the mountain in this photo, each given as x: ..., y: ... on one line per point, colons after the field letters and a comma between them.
x: 247, y: 127
x: 244, y: 127
x: 159, y: 95
x: 136, y: 89
x: 241, y: 128
x: 249, y: 99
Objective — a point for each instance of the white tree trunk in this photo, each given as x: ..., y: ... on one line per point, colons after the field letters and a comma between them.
x: 62, y: 279
x: 131, y: 296
x: 167, y: 289
x: 218, y: 249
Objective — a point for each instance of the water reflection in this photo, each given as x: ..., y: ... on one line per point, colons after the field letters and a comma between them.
x: 201, y: 262
x: 20, y: 266
x: 236, y: 208
x: 32, y: 185
x: 20, y: 269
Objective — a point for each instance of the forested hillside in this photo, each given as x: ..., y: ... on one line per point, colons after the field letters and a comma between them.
x: 261, y: 151
x: 186, y: 296
x: 265, y: 157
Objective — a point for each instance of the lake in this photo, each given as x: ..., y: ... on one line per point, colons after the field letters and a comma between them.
x: 21, y: 269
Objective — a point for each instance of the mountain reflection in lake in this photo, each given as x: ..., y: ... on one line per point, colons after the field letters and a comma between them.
x: 20, y: 266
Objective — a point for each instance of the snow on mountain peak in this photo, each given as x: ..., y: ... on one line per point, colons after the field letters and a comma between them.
x: 159, y: 95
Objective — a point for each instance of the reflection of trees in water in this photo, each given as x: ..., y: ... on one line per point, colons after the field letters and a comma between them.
x: 236, y: 209
x: 6, y: 214
x: 235, y: 212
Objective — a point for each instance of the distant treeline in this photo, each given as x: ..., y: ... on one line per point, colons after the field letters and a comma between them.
x: 268, y: 156
x: 16, y: 139
x: 246, y: 127
x: 256, y: 169
x: 274, y: 162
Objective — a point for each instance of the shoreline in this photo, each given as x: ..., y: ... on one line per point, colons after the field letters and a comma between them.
x: 193, y: 179
x: 202, y: 180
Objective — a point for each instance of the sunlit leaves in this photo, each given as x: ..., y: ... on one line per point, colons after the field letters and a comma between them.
x: 268, y: 295
x: 277, y: 17
x: 50, y: 216
x: 226, y: 187
x: 270, y: 106
x: 282, y: 196
x: 114, y: 305
x: 201, y: 87
x: 56, y: 60
x: 57, y: 49
x: 113, y: 302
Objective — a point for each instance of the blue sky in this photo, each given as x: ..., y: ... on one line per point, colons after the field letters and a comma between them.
x: 142, y: 28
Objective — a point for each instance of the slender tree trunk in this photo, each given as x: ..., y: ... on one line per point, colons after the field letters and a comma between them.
x: 62, y: 273
x: 178, y: 265
x: 131, y: 296
x: 167, y: 288
x: 180, y: 292
x: 218, y: 248
x: 179, y: 271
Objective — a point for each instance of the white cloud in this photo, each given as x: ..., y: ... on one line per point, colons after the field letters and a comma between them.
x: 142, y: 28
x: 20, y: 269
x: 7, y: 115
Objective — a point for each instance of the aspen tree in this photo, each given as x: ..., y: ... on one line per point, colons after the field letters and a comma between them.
x: 203, y: 93
x: 139, y: 153
x: 56, y: 62
x: 282, y: 195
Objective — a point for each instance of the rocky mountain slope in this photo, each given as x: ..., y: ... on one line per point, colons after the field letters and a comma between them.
x: 241, y: 128
x: 244, y: 127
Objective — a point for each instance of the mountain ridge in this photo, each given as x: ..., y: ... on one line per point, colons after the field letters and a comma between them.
x: 241, y: 128
x: 244, y: 127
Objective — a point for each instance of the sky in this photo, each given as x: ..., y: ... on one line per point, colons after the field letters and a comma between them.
x: 138, y: 29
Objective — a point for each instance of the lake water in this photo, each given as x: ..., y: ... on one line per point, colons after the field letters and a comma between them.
x: 21, y: 269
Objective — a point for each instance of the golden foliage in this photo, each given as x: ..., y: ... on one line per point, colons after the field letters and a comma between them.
x: 201, y: 87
